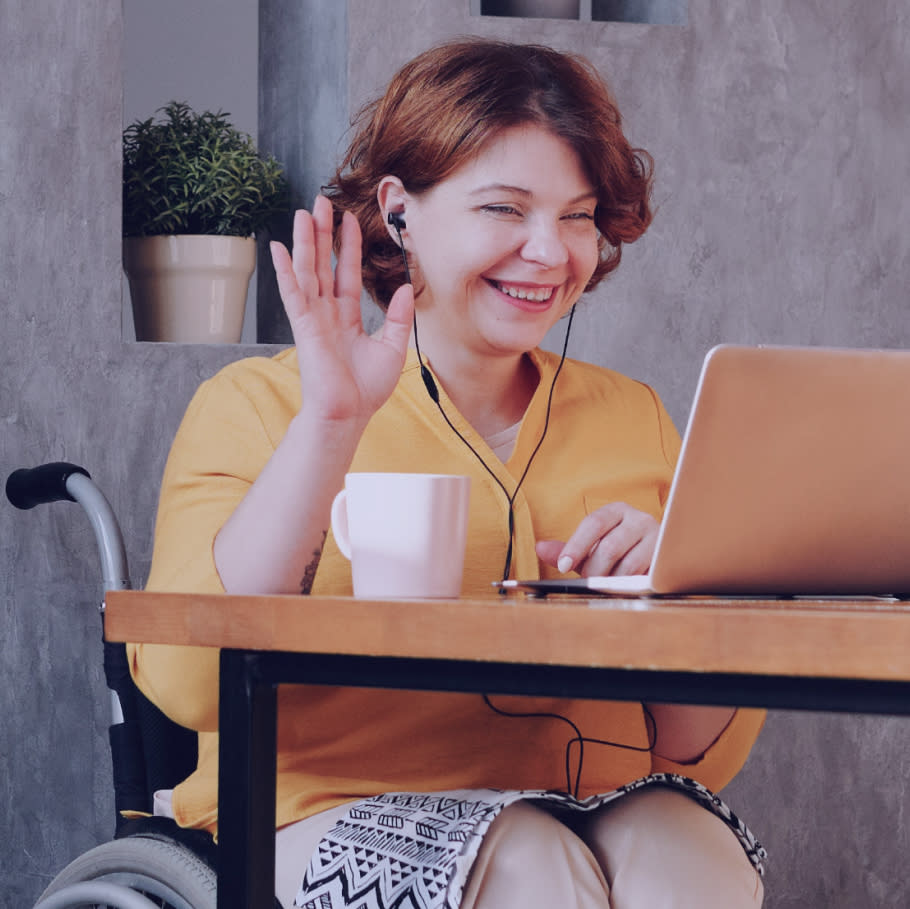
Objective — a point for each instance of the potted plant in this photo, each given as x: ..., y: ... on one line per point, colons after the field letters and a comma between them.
x: 195, y: 191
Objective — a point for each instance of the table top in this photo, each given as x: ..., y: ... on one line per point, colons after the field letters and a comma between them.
x: 841, y: 638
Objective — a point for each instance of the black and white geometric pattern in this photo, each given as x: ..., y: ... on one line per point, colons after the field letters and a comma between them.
x: 405, y: 850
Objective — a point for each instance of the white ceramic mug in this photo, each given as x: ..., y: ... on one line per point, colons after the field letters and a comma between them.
x: 404, y: 533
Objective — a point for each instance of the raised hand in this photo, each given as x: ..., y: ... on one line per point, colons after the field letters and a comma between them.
x: 345, y: 374
x: 615, y: 539
x: 272, y: 542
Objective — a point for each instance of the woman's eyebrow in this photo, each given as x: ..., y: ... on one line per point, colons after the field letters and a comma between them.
x: 500, y: 187
x: 520, y: 190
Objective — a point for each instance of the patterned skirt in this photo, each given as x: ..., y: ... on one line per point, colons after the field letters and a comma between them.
x: 415, y: 850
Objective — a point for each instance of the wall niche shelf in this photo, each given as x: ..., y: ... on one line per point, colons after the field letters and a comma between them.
x: 653, y: 12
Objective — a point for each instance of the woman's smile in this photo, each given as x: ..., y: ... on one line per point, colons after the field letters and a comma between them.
x: 520, y: 294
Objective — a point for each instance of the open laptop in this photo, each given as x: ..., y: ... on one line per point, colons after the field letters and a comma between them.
x: 793, y: 480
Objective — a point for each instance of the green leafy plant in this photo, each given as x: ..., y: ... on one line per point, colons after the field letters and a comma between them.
x: 196, y: 174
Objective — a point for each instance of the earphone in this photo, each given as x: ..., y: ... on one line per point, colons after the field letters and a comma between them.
x: 396, y: 219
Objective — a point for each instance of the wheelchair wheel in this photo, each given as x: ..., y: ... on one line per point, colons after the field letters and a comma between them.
x: 169, y: 875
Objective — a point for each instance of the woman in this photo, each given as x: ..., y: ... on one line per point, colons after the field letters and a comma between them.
x: 481, y: 196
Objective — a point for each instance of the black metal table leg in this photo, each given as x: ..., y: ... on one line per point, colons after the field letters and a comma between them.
x: 246, y: 792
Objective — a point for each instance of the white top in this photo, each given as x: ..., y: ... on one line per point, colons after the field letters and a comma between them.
x: 503, y: 442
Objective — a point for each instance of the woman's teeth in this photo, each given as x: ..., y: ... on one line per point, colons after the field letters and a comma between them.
x: 537, y: 295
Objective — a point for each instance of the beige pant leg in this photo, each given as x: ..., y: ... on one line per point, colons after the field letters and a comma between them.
x: 530, y: 860
x: 294, y: 845
x: 662, y: 850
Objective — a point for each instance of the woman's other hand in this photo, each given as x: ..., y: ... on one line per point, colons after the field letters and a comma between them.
x: 616, y: 539
x: 345, y: 373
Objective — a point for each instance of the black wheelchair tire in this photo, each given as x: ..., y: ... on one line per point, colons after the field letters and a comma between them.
x: 168, y: 874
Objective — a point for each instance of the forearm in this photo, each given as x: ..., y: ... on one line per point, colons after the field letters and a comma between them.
x: 273, y: 540
x: 684, y: 733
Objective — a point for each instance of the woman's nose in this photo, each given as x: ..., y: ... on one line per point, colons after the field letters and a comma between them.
x: 545, y: 244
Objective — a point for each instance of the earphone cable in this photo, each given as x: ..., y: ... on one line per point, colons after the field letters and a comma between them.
x: 433, y: 392
x: 573, y: 787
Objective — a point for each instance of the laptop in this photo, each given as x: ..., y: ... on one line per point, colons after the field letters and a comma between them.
x: 793, y: 480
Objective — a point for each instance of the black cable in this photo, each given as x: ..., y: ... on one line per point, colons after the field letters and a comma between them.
x: 433, y: 392
x: 578, y: 737
x: 573, y: 789
x: 650, y: 726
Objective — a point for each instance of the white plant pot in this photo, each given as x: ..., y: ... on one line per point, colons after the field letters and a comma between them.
x: 190, y: 289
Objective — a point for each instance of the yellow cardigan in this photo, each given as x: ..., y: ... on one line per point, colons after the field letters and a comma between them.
x: 609, y: 439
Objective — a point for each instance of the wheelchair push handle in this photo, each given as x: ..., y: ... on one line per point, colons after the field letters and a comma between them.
x: 60, y: 481
x: 31, y: 486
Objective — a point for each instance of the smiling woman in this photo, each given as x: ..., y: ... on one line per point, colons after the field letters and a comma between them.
x: 498, y: 177
x: 561, y: 94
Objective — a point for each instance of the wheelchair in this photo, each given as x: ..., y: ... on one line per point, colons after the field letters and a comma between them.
x: 151, y: 863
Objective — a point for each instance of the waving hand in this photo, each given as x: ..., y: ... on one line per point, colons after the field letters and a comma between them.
x: 273, y: 540
x: 345, y: 373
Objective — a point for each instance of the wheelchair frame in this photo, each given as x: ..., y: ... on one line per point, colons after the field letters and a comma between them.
x: 151, y: 863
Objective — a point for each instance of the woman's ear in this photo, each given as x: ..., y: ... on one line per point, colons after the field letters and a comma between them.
x: 392, y: 198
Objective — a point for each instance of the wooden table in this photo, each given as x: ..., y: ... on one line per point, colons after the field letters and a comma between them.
x: 850, y: 655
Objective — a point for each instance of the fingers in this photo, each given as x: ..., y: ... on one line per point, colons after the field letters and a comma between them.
x: 548, y: 551
x: 615, y: 539
x: 306, y: 276
x: 312, y: 249
x: 291, y: 295
x: 322, y: 245
x: 348, y: 282
x: 637, y: 560
x: 399, y: 318
x: 303, y: 253
x: 592, y: 532
x: 297, y: 282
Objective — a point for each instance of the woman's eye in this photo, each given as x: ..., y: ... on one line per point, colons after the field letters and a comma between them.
x: 580, y: 216
x: 501, y: 209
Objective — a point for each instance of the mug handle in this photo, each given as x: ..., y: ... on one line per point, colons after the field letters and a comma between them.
x: 340, y: 523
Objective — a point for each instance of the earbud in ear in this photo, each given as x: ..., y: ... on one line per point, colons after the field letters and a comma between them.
x: 396, y: 219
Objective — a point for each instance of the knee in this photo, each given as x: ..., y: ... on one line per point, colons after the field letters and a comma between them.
x: 536, y: 860
x: 700, y: 858
x: 524, y: 837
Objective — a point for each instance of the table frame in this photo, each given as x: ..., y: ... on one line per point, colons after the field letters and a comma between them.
x: 249, y: 676
x: 248, y: 722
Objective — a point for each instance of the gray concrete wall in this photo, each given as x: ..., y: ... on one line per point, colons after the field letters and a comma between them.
x: 303, y: 98
x: 70, y: 389
x: 780, y: 132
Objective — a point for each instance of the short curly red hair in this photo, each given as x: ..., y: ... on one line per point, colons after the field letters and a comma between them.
x: 441, y: 108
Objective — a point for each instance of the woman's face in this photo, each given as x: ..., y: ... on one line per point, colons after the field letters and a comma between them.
x: 504, y: 246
